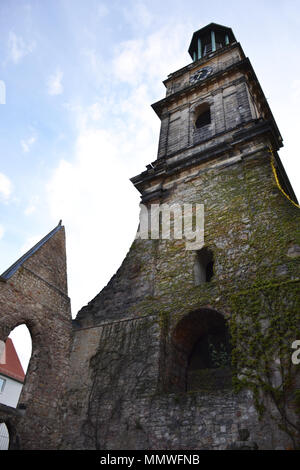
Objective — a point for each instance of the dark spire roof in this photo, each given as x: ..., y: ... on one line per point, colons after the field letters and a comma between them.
x: 211, y: 26
x: 14, y: 267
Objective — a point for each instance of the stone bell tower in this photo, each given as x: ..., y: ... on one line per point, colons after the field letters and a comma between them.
x: 186, y: 349
x: 214, y: 109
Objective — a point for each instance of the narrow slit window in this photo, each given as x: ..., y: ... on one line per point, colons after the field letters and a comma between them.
x: 204, y: 266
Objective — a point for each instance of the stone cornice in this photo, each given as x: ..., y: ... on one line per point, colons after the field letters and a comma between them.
x: 163, y: 167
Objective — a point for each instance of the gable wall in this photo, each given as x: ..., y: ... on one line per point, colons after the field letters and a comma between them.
x: 41, y: 304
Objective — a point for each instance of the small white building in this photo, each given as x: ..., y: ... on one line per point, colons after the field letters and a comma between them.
x: 11, y: 382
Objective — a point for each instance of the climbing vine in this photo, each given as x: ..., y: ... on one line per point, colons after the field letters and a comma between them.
x: 265, y: 321
x: 119, y: 372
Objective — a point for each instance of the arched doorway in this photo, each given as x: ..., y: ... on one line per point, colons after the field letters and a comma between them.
x: 200, y: 353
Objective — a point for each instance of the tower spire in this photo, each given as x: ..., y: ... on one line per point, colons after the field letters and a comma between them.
x: 209, y: 39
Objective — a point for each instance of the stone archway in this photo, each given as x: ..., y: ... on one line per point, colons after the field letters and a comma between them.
x: 42, y: 395
x: 33, y: 291
x: 199, y: 357
x: 36, y: 371
x: 22, y: 340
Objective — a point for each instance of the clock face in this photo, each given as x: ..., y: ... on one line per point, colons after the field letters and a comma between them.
x: 200, y: 74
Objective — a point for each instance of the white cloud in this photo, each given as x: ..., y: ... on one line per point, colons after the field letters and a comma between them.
x: 54, y: 85
x: 296, y: 89
x: 27, y: 143
x: 102, y: 10
x: 139, y: 16
x: 30, y: 209
x: 94, y: 65
x: 144, y: 59
x: 18, y: 48
x: 5, y: 187
x: 92, y: 195
x: 29, y: 243
x: 142, y: 14
x: 117, y: 136
x: 21, y: 338
x: 91, y: 56
x: 95, y: 111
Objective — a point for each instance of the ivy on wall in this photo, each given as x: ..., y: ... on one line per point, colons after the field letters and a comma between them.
x: 264, y: 323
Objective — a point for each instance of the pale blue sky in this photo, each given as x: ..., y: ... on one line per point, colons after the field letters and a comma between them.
x: 80, y: 77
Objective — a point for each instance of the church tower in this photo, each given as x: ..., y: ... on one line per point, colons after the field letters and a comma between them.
x: 214, y: 109
x: 187, y: 349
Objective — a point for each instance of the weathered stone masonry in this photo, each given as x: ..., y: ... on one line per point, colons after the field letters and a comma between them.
x: 130, y: 351
x: 145, y: 410
x: 34, y: 292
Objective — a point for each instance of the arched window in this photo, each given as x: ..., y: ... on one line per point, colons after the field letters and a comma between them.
x: 4, y: 437
x: 203, y: 117
x: 203, y: 266
x: 21, y: 338
x: 200, y: 356
x: 13, y: 370
x: 209, y: 360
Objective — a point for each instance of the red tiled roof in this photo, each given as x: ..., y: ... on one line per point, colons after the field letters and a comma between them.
x: 12, y: 367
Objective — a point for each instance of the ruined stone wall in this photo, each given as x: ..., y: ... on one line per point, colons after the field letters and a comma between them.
x: 116, y: 403
x: 132, y: 283
x: 50, y: 264
x: 249, y: 225
x: 115, y: 377
x: 36, y: 295
x: 119, y: 394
